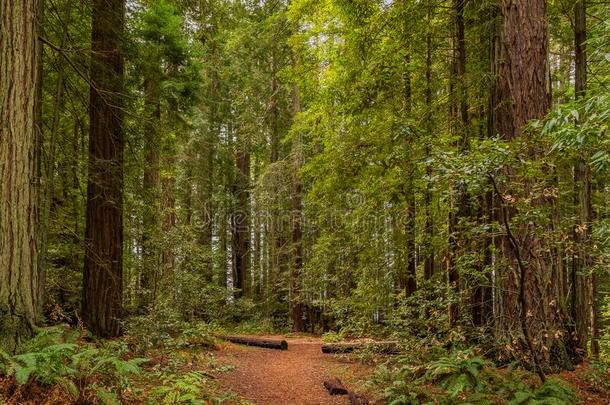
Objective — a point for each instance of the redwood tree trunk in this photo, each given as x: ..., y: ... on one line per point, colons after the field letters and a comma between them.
x: 530, y: 322
x: 19, y: 76
x: 103, y: 270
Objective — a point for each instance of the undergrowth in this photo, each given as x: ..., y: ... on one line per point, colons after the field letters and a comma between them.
x: 464, y: 377
x: 156, y: 362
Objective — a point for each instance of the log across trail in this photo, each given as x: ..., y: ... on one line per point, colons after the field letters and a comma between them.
x: 377, y: 347
x: 286, y: 377
x: 279, y: 344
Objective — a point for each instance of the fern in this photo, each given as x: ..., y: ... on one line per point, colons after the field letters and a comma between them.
x: 46, y: 365
x: 61, y: 363
x: 552, y: 392
x: 184, y: 389
x: 457, y: 373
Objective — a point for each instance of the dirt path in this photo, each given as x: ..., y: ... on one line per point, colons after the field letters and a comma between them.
x: 282, y: 377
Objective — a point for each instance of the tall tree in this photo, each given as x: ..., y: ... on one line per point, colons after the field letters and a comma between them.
x: 241, y: 221
x: 459, y: 116
x: 527, y: 300
x: 298, y: 324
x: 408, y: 283
x: 580, y: 280
x: 103, y: 271
x: 429, y: 260
x: 19, y: 91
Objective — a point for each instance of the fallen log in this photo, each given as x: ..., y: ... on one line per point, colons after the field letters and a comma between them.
x: 378, y: 347
x: 265, y: 343
x: 335, y: 386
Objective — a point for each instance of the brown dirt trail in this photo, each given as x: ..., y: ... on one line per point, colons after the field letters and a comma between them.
x: 282, y: 377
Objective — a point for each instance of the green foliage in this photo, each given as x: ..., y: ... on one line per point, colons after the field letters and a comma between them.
x: 552, y: 392
x: 457, y: 372
x: 54, y: 362
x: 165, y: 327
x: 184, y: 389
x: 46, y: 366
x: 65, y: 363
x: 464, y: 378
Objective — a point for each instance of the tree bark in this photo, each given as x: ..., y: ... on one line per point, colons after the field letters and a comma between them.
x: 529, y: 307
x: 19, y: 104
x: 103, y: 269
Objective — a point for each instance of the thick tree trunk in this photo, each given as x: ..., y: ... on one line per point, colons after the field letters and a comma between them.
x: 103, y: 270
x: 522, y: 66
x: 19, y: 104
x: 529, y: 307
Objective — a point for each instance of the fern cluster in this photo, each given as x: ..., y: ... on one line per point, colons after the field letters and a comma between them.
x: 71, y: 365
x: 465, y: 378
x: 183, y: 389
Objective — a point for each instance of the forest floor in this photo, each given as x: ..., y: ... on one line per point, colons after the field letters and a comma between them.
x: 294, y: 376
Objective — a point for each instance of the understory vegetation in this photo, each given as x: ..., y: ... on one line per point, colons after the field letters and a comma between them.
x: 163, y: 359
